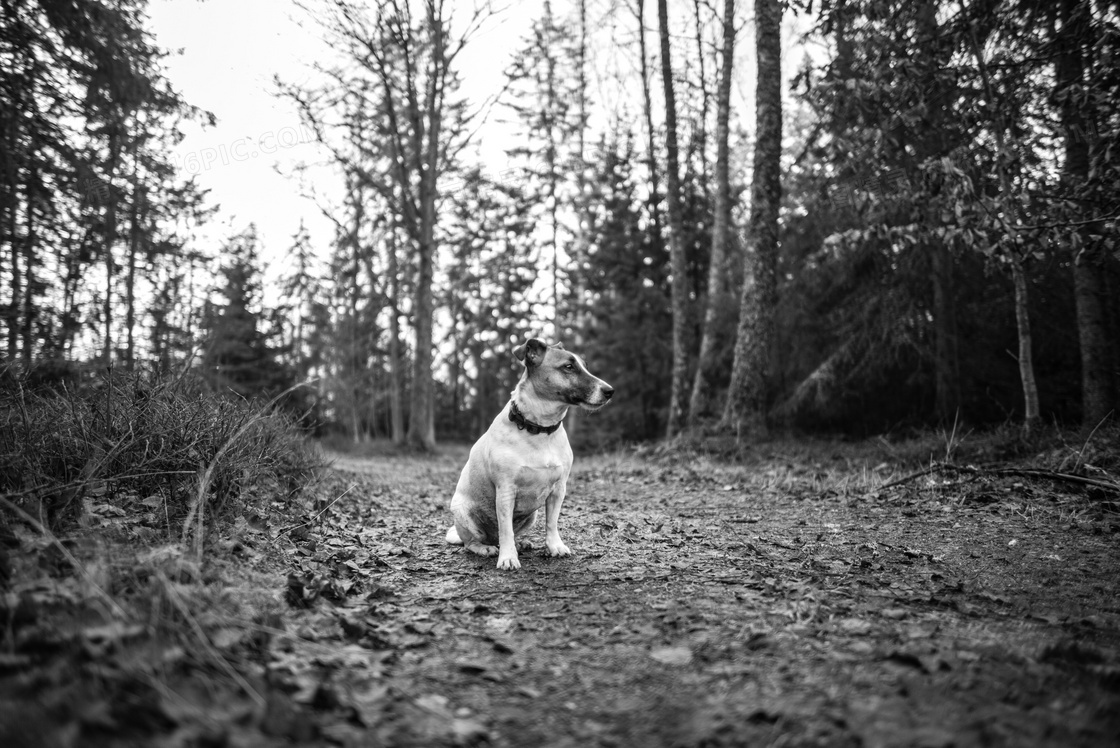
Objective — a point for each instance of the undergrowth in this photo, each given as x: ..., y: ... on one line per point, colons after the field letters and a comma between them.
x: 126, y: 438
x: 108, y: 609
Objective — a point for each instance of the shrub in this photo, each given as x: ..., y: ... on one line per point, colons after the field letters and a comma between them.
x: 121, y: 438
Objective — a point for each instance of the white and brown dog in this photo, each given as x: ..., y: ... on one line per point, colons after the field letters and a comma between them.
x: 522, y: 461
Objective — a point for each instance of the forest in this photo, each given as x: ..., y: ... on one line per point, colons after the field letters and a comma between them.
x: 851, y: 267
x: 910, y: 223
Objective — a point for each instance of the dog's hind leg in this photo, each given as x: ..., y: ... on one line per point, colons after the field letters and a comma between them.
x: 469, y: 529
x: 470, y: 541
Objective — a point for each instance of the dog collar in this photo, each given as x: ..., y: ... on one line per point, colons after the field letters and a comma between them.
x: 524, y: 424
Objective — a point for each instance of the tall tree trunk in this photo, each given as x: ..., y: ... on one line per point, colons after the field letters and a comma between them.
x: 946, y: 366
x: 110, y: 238
x: 577, y: 313
x: 550, y: 163
x: 706, y: 368
x: 12, y: 117
x: 1026, y: 349
x: 355, y: 349
x: 678, y: 393
x: 1011, y: 224
x: 421, y: 427
x: 701, y: 139
x: 70, y: 295
x: 396, y: 378
x: 30, y: 241
x: 110, y: 271
x: 134, y: 238
x: 750, y: 392
x: 651, y: 135
x: 1098, y: 391
x: 11, y: 313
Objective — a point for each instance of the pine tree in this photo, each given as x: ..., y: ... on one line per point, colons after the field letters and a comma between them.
x: 627, y: 281
x: 238, y: 356
x: 545, y: 86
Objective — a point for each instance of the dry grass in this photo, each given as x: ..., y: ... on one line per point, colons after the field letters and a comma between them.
x: 124, y: 438
x: 112, y: 618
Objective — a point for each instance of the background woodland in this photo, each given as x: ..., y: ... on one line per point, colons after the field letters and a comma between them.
x: 914, y: 223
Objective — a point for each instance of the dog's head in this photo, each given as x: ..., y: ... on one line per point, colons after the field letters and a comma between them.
x: 561, y: 376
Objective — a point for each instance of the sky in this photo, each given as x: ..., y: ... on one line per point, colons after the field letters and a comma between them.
x: 224, y: 57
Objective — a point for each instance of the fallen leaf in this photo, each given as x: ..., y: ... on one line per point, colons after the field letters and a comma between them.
x: 855, y: 626
x: 672, y: 655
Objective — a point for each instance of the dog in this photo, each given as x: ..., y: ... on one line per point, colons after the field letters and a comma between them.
x: 523, y: 460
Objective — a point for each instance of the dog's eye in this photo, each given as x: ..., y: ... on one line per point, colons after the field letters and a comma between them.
x: 569, y: 366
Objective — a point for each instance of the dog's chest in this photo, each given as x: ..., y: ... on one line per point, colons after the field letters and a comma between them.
x: 535, y: 482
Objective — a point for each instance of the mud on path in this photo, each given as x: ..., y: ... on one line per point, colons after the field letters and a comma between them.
x: 785, y: 602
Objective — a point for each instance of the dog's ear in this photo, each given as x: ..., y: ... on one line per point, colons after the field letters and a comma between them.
x: 532, y: 353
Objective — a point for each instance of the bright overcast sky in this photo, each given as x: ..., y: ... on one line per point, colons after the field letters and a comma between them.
x: 224, y: 55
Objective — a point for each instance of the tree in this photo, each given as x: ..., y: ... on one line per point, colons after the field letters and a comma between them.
x: 492, y: 270
x: 302, y: 345
x: 627, y: 276
x: 400, y: 65
x: 654, y: 200
x: 707, y: 365
x: 86, y: 186
x: 931, y: 159
x: 238, y: 356
x: 355, y: 304
x: 1009, y: 213
x: 1074, y: 32
x: 544, y: 93
x: 678, y: 393
x: 751, y: 385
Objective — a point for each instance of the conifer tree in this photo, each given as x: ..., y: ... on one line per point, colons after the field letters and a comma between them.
x: 238, y: 356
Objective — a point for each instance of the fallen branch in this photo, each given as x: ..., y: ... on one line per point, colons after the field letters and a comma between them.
x: 311, y: 521
x: 1005, y: 472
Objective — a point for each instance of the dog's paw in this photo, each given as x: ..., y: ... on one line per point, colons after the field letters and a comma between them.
x: 483, y: 550
x: 508, y: 562
x: 559, y: 549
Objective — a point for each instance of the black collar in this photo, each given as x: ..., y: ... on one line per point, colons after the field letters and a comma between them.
x: 524, y: 424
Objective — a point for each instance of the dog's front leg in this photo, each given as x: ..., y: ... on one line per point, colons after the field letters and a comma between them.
x: 506, y: 497
x: 556, y: 546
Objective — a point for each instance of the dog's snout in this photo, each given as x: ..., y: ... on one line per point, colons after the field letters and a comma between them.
x: 608, y: 392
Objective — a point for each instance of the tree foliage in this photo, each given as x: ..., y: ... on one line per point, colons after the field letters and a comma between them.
x: 90, y: 204
x: 240, y: 356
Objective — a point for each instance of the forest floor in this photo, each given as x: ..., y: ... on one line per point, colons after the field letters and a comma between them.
x: 792, y: 597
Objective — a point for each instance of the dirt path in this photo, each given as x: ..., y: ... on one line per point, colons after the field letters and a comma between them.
x: 793, y: 601
x: 785, y: 603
